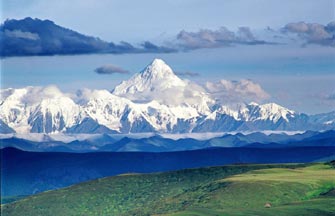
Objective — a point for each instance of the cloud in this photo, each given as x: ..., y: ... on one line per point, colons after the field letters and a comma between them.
x: 227, y: 91
x: 122, y: 47
x: 171, y: 95
x: 245, y: 34
x: 206, y: 38
x: 110, y: 69
x: 36, y: 94
x: 84, y: 95
x: 330, y: 96
x: 43, y: 37
x: 187, y: 74
x: 312, y: 33
x: 147, y: 46
x: 21, y: 34
x: 324, y: 98
x: 29, y: 36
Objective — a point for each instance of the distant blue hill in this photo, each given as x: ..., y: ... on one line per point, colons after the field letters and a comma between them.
x: 105, y: 142
x: 29, y: 36
x: 24, y: 173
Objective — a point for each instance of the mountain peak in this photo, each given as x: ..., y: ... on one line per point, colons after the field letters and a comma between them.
x: 158, y: 61
x: 253, y: 104
x: 155, y: 78
x: 157, y: 68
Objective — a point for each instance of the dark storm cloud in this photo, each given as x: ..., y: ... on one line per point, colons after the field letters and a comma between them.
x: 110, y: 69
x: 43, y: 37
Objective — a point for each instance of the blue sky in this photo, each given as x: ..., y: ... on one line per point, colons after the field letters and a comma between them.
x: 133, y: 21
x: 298, y: 75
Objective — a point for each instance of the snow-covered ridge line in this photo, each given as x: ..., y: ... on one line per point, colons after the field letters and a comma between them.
x: 152, y: 101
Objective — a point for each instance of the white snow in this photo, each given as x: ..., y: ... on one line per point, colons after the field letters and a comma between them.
x: 158, y: 82
x: 26, y: 105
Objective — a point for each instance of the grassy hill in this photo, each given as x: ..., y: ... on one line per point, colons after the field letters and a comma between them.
x: 291, y: 189
x: 27, y: 173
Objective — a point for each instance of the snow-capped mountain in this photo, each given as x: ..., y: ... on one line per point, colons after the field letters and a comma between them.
x: 153, y: 100
x: 156, y: 77
x: 39, y: 110
x: 157, y: 82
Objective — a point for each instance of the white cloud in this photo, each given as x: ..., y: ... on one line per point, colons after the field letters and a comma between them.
x: 22, y: 34
x: 191, y: 94
x: 227, y: 91
x: 36, y: 94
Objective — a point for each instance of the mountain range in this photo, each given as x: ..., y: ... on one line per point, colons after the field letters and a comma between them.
x: 153, y: 100
x: 159, y: 143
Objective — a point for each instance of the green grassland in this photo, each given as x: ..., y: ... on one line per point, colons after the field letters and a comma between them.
x: 10, y: 199
x: 292, y: 189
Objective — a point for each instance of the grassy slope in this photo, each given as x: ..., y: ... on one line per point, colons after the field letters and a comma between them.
x: 304, y: 191
x: 10, y: 199
x: 228, y: 190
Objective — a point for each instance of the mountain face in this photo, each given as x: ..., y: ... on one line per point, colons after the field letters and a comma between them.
x: 38, y: 110
x: 154, y: 78
x: 154, y: 100
x: 5, y: 129
x: 157, y: 82
x: 324, y: 120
